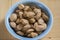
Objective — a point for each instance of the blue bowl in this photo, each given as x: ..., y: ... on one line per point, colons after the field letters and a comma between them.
x: 30, y: 2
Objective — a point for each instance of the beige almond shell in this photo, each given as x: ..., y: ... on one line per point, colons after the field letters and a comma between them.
x: 17, y: 11
x: 21, y: 15
x: 13, y: 17
x: 40, y: 27
x: 26, y: 8
x: 45, y: 17
x: 13, y: 24
x: 40, y: 21
x: 26, y: 27
x: 20, y: 33
x: 32, y: 20
x: 18, y: 21
x: 37, y: 10
x: 29, y: 14
x: 19, y: 27
x: 30, y: 30
x: 38, y: 16
x: 24, y: 21
x: 33, y: 34
x: 21, y: 6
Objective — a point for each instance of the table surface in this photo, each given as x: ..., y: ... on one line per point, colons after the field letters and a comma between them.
x: 54, y: 5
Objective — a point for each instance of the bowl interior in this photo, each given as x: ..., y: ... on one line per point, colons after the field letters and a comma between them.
x: 38, y: 4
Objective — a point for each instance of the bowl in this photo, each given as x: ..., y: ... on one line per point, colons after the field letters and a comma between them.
x: 30, y: 2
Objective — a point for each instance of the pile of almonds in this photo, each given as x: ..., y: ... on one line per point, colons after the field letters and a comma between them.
x: 28, y: 21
